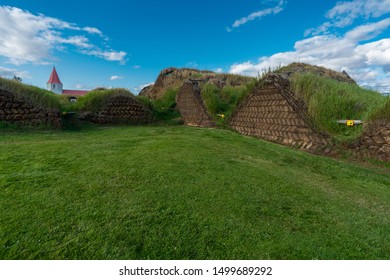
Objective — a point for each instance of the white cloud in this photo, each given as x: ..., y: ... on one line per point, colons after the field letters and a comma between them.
x: 246, y: 68
x: 218, y: 70
x: 113, y: 78
x: 29, y: 38
x: 93, y: 30
x: 79, y: 41
x: 113, y: 56
x: 137, y: 66
x: 258, y: 14
x: 345, y: 13
x: 24, y: 36
x: 10, y: 73
x: 367, y: 63
x: 366, y: 60
x: 138, y: 88
x: 368, y: 31
x: 108, y: 55
x: 376, y: 53
x: 359, y: 8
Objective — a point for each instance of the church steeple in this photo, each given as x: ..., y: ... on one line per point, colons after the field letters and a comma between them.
x: 54, y: 83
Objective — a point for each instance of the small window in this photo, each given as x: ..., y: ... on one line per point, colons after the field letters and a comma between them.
x: 54, y: 86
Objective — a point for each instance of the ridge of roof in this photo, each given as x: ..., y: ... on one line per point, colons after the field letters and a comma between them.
x: 54, y: 79
x: 75, y: 92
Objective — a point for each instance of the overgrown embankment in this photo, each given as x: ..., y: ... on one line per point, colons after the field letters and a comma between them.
x: 328, y: 101
x: 113, y: 106
x: 222, y: 101
x: 294, y: 68
x: 175, y: 77
x: 164, y: 108
x: 210, y: 101
x: 24, y: 105
x: 294, y: 108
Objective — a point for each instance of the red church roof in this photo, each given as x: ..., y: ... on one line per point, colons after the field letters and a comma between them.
x: 54, y: 79
x: 75, y: 92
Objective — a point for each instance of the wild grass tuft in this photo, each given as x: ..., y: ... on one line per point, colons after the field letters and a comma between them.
x: 382, y: 113
x: 165, y: 107
x: 223, y: 101
x: 67, y: 106
x: 234, y: 79
x: 329, y: 100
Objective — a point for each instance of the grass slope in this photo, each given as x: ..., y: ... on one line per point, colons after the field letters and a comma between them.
x: 329, y: 100
x: 184, y: 193
x: 93, y: 101
x: 38, y: 97
x: 383, y: 113
x: 223, y: 101
x: 164, y: 108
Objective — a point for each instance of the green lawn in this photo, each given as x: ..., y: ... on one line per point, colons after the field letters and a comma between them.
x: 174, y: 192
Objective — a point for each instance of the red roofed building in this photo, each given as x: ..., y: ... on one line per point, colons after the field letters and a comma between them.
x: 54, y: 84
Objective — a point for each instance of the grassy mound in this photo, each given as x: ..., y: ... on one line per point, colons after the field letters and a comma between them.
x: 234, y: 80
x: 36, y: 96
x: 296, y: 67
x: 329, y: 100
x: 175, y: 77
x: 96, y: 99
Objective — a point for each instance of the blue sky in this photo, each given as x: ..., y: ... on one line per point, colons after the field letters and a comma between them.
x: 127, y: 43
